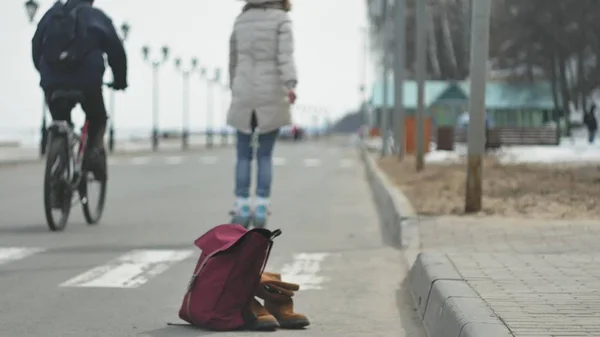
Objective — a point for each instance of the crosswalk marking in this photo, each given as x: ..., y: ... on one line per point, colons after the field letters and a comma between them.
x: 346, y: 163
x: 304, y: 270
x: 10, y: 254
x: 174, y: 160
x: 130, y: 270
x: 211, y: 160
x: 312, y: 162
x: 137, y: 267
x: 208, y: 159
x: 279, y: 161
x: 140, y: 160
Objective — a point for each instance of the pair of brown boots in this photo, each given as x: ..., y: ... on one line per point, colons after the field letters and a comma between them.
x: 278, y: 311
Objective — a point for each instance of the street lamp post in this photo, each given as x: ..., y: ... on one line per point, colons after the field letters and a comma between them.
x: 31, y: 7
x: 209, y: 104
x: 125, y: 28
x: 185, y: 123
x: 224, y: 134
x: 155, y: 67
x: 362, y: 71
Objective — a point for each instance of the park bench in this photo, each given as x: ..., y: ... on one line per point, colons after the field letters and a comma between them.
x: 502, y: 136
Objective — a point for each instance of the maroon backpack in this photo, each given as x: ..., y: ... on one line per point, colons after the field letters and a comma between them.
x: 226, y: 277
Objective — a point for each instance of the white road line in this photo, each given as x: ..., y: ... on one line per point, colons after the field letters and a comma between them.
x: 130, y: 270
x: 312, y: 162
x: 346, y: 163
x: 140, y: 160
x: 304, y: 270
x: 173, y: 160
x: 10, y: 254
x: 279, y: 161
x: 209, y: 160
x: 113, y: 161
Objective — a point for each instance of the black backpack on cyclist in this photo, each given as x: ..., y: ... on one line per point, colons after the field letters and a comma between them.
x: 63, y: 44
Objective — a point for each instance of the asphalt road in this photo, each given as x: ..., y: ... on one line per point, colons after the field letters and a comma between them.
x: 126, y: 276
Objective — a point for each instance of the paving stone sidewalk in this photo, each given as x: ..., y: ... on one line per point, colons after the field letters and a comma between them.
x: 541, y: 278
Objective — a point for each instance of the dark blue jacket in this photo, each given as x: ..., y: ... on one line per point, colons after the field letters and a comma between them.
x: 102, y: 38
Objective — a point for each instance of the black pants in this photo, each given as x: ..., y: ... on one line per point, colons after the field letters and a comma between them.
x: 93, y: 107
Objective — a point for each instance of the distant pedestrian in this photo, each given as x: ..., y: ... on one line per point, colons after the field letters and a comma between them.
x: 263, y: 79
x: 591, y: 123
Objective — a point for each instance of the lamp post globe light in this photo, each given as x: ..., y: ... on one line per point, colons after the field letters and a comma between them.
x: 155, y: 67
x: 31, y: 6
x: 224, y: 132
x: 209, y: 103
x: 185, y: 72
x: 125, y: 28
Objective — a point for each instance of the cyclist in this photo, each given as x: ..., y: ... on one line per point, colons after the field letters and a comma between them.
x: 95, y: 36
x: 263, y: 79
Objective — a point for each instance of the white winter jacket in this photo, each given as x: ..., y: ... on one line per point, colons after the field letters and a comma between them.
x: 261, y: 67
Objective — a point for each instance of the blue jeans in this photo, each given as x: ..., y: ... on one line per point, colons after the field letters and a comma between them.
x: 591, y: 136
x: 264, y: 159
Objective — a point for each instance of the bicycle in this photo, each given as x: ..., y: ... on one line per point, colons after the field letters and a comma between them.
x: 64, y: 172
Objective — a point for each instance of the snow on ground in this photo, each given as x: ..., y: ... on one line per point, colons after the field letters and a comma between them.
x: 440, y: 157
x: 571, y: 150
x: 374, y: 145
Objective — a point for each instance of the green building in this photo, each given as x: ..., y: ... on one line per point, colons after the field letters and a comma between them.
x: 509, y: 104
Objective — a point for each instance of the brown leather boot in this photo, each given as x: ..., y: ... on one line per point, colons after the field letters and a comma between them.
x: 278, y: 301
x: 264, y: 320
x: 273, y: 275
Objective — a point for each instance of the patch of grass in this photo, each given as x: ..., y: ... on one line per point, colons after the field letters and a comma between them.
x: 531, y: 191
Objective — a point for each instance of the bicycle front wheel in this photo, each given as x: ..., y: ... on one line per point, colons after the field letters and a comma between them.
x: 57, y: 192
x: 92, y: 208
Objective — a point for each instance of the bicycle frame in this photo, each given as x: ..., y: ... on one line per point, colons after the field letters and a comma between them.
x: 75, y: 159
x: 82, y: 145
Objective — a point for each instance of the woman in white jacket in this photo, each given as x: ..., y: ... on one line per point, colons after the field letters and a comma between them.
x: 263, y: 79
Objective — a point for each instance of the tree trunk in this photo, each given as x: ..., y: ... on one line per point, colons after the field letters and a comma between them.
x: 449, y: 43
x: 564, y: 89
x: 554, y: 83
x: 433, y: 51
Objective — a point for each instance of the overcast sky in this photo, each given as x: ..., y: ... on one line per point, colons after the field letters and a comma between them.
x: 328, y: 45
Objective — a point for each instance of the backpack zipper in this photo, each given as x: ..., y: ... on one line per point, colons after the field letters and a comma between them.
x: 193, y: 280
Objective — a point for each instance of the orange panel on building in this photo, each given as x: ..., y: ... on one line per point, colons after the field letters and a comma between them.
x: 410, y: 130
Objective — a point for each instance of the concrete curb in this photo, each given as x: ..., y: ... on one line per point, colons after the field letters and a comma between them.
x: 447, y: 304
x: 396, y: 213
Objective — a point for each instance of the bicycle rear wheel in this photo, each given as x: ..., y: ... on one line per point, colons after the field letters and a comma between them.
x: 92, y: 211
x: 57, y: 192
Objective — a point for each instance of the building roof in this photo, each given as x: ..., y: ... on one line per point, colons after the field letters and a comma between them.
x: 499, y: 95
x: 512, y: 96
x: 433, y: 90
